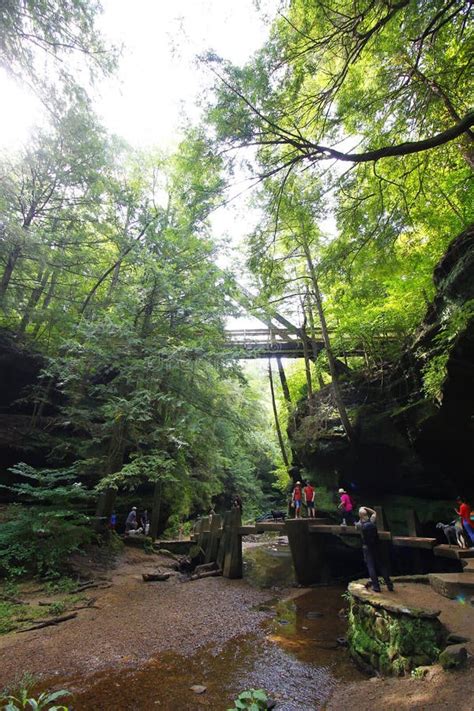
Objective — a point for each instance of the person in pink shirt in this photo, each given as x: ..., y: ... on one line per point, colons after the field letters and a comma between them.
x: 346, y: 508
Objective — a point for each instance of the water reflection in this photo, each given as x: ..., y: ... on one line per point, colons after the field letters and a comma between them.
x: 269, y: 565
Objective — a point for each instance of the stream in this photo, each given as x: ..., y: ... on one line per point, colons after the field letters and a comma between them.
x: 293, y: 654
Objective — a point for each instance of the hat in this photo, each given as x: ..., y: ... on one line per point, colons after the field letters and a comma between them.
x: 298, y: 483
x: 341, y: 491
x: 134, y: 508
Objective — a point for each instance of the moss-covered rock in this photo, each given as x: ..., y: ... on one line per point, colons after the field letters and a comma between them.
x: 392, y: 638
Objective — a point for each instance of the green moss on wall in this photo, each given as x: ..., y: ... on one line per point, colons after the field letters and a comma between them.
x: 392, y: 643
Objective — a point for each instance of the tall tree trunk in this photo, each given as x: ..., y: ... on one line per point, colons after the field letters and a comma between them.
x: 9, y: 267
x: 41, y: 281
x: 314, y: 347
x: 155, y: 512
x: 332, y: 365
x: 275, y: 414
x: 106, y: 501
x: 284, y: 382
x: 44, y: 306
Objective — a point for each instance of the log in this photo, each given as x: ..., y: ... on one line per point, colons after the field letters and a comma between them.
x: 205, y: 567
x: 153, y: 577
x: 13, y: 600
x: 51, y: 621
x: 207, y: 574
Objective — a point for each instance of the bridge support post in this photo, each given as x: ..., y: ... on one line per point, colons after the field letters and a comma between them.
x: 215, y: 529
x: 233, y: 567
x: 307, y: 551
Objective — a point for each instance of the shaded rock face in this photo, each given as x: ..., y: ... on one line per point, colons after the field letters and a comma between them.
x: 405, y: 443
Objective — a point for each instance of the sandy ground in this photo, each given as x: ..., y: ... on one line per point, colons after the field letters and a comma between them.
x: 135, y: 621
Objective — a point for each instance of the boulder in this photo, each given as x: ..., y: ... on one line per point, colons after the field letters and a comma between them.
x: 453, y: 657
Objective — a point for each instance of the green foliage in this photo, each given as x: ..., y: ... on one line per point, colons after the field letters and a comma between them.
x: 22, y: 701
x: 39, y: 535
x: 251, y: 700
x: 436, y: 370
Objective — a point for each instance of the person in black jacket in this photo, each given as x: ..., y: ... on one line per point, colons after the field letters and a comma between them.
x: 371, y: 548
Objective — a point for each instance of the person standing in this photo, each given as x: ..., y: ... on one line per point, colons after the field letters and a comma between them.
x: 308, y: 492
x: 464, y: 512
x: 371, y: 548
x: 346, y: 507
x: 296, y: 499
x: 131, y: 522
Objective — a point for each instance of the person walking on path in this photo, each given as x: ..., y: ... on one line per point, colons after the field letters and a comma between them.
x: 308, y: 492
x: 296, y: 499
x: 371, y: 548
x: 131, y: 522
x: 464, y: 512
x: 346, y: 507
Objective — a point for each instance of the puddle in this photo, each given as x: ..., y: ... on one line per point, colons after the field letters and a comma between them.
x: 269, y: 566
x: 293, y: 655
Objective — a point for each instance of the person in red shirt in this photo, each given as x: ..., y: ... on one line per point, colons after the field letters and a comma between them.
x: 308, y: 492
x: 296, y: 498
x: 464, y: 512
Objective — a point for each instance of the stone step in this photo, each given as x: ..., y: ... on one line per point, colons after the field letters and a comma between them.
x: 446, y: 551
x: 452, y: 585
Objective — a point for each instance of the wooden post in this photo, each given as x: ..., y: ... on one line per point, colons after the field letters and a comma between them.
x: 215, y: 529
x: 414, y: 530
x: 307, y: 551
x: 413, y: 523
x: 382, y: 523
x: 233, y: 547
x: 223, y: 541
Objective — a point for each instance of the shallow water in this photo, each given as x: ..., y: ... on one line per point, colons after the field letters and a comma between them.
x: 293, y: 655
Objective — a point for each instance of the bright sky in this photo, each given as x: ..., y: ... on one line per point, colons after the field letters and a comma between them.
x: 158, y: 76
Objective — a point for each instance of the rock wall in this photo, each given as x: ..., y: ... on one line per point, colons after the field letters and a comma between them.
x: 405, y: 442
x: 389, y: 638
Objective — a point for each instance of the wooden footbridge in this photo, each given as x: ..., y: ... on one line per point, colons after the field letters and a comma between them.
x: 220, y: 540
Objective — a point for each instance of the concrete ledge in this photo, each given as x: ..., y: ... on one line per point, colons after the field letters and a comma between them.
x: 452, y: 585
x: 412, y: 542
x: 345, y: 531
x: 446, y: 551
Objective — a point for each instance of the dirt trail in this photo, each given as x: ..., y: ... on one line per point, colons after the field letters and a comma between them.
x: 137, y: 622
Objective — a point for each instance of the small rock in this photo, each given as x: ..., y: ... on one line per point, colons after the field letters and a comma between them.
x: 454, y: 638
x: 453, y: 657
x: 271, y: 704
x: 283, y: 622
x: 304, y: 628
x: 198, y: 688
x: 314, y: 615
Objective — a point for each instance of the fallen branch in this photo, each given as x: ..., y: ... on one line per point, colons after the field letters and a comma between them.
x: 13, y: 600
x: 152, y: 577
x: 208, y: 574
x: 51, y: 621
x: 204, y: 568
x: 88, y: 586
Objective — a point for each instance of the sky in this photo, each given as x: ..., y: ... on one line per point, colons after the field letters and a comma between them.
x: 158, y: 76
